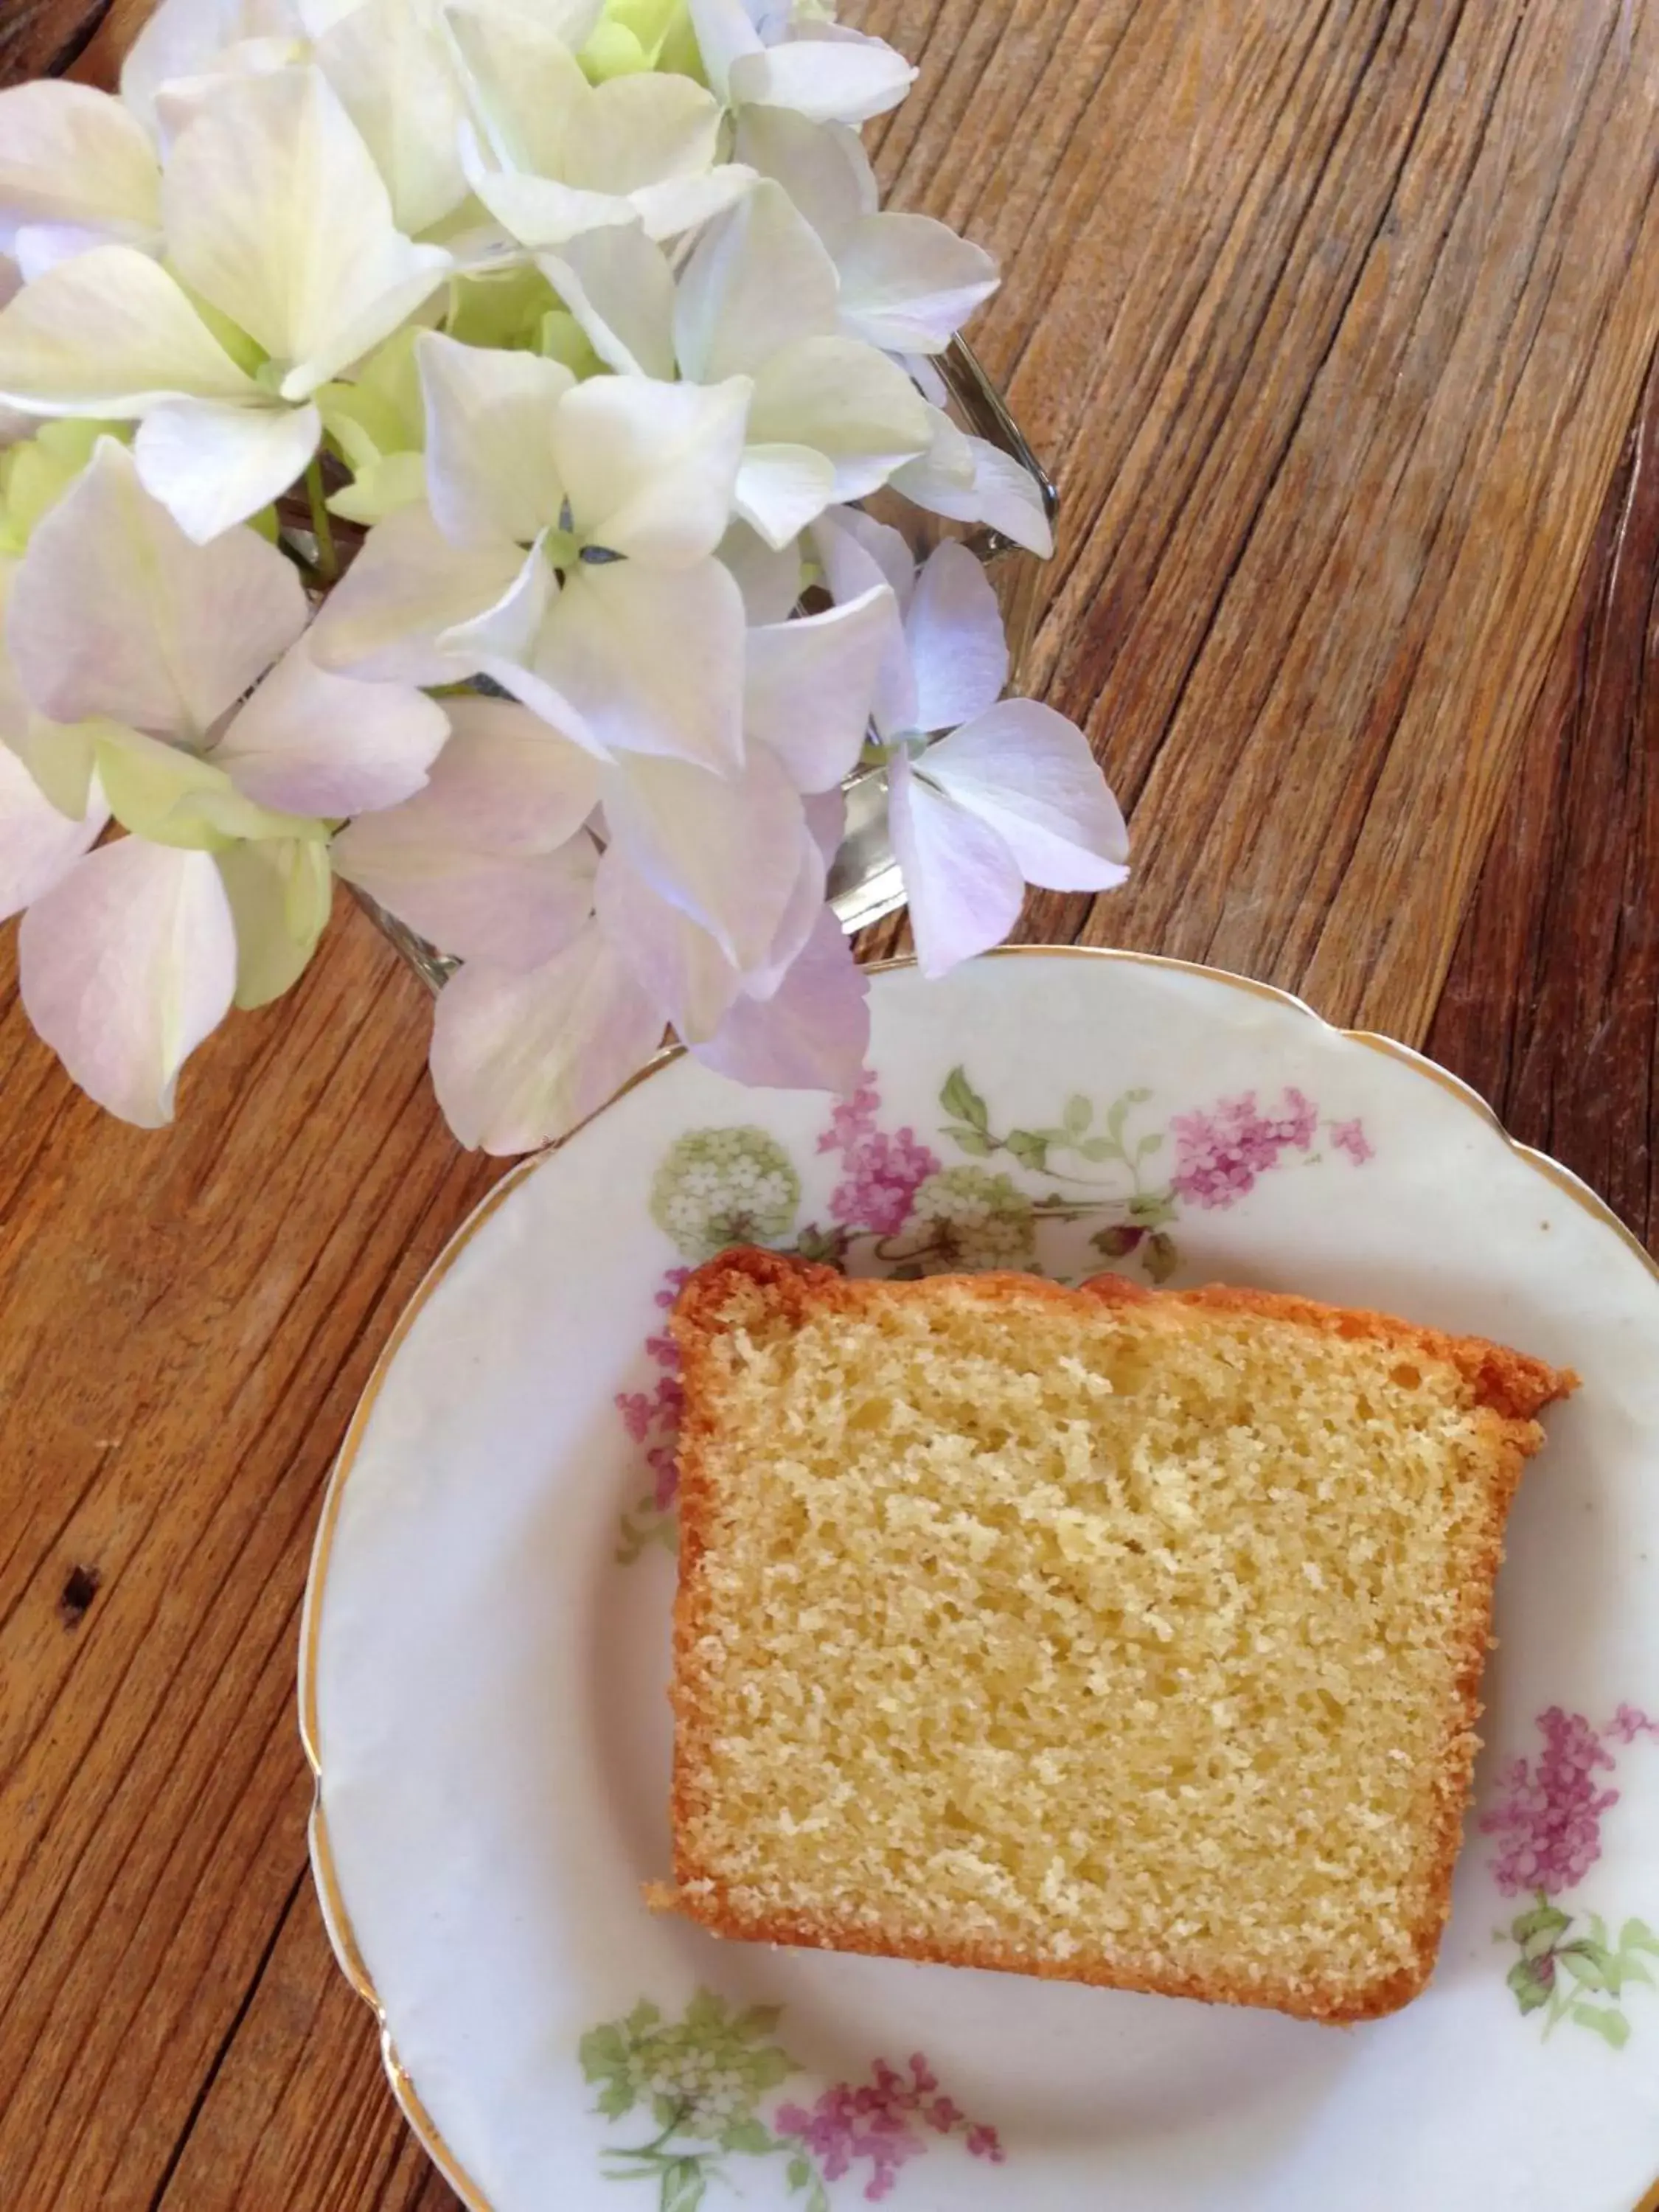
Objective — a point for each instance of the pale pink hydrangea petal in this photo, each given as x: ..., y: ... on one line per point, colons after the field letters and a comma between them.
x: 520, y: 1059
x: 309, y: 742
x: 489, y: 416
x: 186, y: 40
x: 1027, y: 774
x: 724, y: 850
x: 275, y: 212
x: 71, y: 157
x: 848, y: 81
x: 964, y: 884
x: 908, y: 282
x: 126, y: 965
x: 212, y: 464
x: 811, y: 1034
x: 38, y: 845
x: 114, y: 612
x: 822, y: 166
x: 486, y: 862
x: 809, y: 685
x: 650, y: 659
x: 675, y: 960
x: 953, y: 628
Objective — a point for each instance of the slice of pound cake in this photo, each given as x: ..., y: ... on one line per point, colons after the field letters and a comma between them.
x: 1121, y: 1637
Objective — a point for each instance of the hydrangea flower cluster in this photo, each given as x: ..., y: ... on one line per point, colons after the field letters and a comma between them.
x: 652, y: 1418
x: 883, y: 1170
x: 1219, y: 1155
x: 716, y: 1187
x: 968, y: 1218
x: 877, y: 2122
x: 701, y: 2079
x: 438, y: 432
x: 1548, y: 1815
x: 1350, y: 1137
x: 703, y: 2074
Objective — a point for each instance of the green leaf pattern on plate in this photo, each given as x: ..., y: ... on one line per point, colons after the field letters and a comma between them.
x: 901, y: 1210
x: 1549, y: 1812
x: 699, y: 2083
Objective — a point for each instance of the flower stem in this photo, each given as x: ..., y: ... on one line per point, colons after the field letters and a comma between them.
x: 328, y: 558
x: 883, y: 1251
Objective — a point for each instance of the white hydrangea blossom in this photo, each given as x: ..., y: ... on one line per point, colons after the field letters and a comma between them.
x: 723, y: 1187
x: 968, y: 1219
x: 359, y: 352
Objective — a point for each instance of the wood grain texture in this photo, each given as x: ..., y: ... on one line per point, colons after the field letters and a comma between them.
x: 42, y: 38
x: 1552, y: 1007
x: 1334, y: 321
x: 1334, y: 316
x: 191, y: 1318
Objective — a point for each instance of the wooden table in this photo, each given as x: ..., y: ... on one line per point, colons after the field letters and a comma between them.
x: 1337, y: 323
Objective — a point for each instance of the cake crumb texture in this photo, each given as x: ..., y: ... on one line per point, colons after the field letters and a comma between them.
x: 1119, y: 1636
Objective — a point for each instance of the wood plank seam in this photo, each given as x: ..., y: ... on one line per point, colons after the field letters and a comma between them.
x: 1471, y: 824
x: 305, y: 1512
x: 1271, y: 476
x: 44, y: 1930
x: 1064, y: 613
x: 164, y: 2182
x: 116, y: 2054
x: 1337, y: 318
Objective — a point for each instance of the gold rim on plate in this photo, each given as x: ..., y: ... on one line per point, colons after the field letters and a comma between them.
x: 322, y: 1862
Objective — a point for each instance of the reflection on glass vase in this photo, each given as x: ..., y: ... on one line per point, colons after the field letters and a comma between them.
x: 864, y: 883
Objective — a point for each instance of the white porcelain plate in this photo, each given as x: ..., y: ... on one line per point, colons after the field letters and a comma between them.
x: 486, y: 1649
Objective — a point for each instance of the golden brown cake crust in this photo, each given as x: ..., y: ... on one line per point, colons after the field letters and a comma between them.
x: 759, y: 1285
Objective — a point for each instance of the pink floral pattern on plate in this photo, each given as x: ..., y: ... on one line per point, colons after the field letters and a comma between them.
x: 1548, y: 1815
x: 882, y: 1172
x: 881, y: 2123
x: 705, y: 2080
x: 1219, y: 1155
x: 899, y: 1210
x: 653, y: 1420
